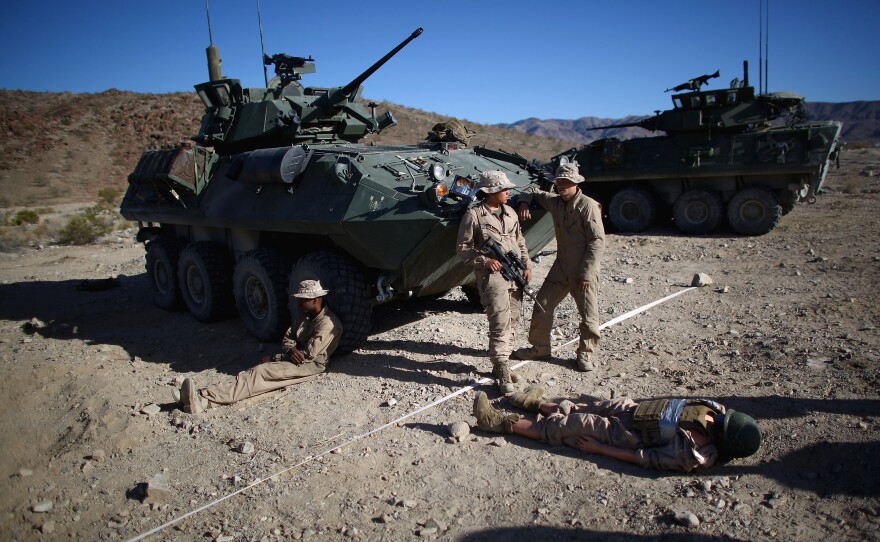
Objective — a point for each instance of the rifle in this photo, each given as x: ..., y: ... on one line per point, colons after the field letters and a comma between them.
x: 512, y: 267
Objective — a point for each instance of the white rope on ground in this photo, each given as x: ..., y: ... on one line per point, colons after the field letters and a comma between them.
x: 460, y: 391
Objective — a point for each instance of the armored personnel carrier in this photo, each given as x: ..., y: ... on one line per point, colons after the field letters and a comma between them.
x: 276, y: 189
x: 722, y: 156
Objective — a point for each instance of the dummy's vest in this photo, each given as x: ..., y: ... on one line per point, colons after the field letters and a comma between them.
x: 657, y: 420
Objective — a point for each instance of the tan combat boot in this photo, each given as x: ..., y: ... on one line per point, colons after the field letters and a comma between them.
x: 190, y: 398
x: 490, y: 419
x: 515, y: 377
x: 528, y: 400
x: 585, y: 362
x: 532, y: 352
x: 501, y: 371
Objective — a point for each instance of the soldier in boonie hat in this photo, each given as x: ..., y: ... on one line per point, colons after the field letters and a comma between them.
x: 580, y: 238
x: 310, y: 289
x: 305, y: 348
x: 492, y: 219
x: 494, y: 181
x: 569, y: 172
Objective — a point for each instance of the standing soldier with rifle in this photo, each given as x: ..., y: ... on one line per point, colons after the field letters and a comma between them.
x: 580, y: 239
x: 492, y: 220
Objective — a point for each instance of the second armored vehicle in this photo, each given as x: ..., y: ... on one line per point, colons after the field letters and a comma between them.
x: 721, y: 157
x: 277, y: 189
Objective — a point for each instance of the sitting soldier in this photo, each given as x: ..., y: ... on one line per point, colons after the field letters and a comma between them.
x: 305, y: 349
x: 672, y: 434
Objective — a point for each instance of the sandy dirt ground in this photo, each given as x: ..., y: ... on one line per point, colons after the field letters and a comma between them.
x: 787, y: 333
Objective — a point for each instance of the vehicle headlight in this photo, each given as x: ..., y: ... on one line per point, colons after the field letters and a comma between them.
x: 563, y: 160
x: 438, y: 172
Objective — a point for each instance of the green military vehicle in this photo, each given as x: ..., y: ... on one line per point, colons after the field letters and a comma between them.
x: 721, y: 157
x: 277, y: 189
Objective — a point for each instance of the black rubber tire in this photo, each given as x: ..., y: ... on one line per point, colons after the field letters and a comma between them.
x: 754, y: 211
x: 632, y: 210
x: 260, y: 290
x: 205, y: 275
x: 697, y: 212
x: 347, y: 298
x: 161, y: 262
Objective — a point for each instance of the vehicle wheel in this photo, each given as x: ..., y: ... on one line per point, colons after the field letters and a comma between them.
x: 754, y: 211
x: 205, y: 275
x: 162, y: 256
x: 260, y: 288
x: 697, y: 211
x: 347, y: 298
x: 632, y: 210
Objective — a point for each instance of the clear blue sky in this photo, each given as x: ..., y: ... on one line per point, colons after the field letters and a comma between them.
x: 486, y: 61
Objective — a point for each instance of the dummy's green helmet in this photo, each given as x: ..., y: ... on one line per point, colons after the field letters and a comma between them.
x: 740, y: 436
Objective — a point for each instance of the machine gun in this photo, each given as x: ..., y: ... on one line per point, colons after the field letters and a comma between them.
x: 512, y: 267
x: 695, y: 83
x: 289, y: 68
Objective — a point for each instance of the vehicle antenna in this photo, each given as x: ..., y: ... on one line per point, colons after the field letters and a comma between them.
x: 208, y: 13
x: 262, y: 47
x: 760, y: 46
x: 211, y: 51
x: 767, y: 49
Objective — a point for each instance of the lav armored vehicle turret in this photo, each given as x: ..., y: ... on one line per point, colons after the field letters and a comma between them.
x: 276, y: 188
x: 722, y: 156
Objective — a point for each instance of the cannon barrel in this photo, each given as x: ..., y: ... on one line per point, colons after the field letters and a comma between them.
x: 356, y: 82
x: 647, y: 123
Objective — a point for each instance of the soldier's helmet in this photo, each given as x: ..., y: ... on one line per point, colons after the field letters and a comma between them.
x: 740, y: 436
x: 451, y: 130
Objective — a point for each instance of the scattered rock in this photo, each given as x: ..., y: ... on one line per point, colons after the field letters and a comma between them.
x: 686, y: 518
x: 246, y: 448
x: 42, y: 507
x: 98, y: 455
x: 151, y: 409
x: 24, y: 473
x: 459, y: 430
x: 701, y: 279
x: 158, y: 489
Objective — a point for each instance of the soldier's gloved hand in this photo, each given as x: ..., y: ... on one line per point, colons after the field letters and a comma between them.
x: 524, y: 212
x: 527, y: 274
x: 583, y: 285
x: 493, y: 265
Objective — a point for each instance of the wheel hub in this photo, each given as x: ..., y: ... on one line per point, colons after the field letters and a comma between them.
x: 195, y: 284
x: 257, y: 298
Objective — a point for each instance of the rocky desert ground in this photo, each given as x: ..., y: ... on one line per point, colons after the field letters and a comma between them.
x: 787, y: 333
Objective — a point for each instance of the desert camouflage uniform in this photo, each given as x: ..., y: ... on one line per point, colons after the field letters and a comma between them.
x: 580, y: 241
x: 500, y: 299
x: 610, y: 422
x: 317, y: 338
